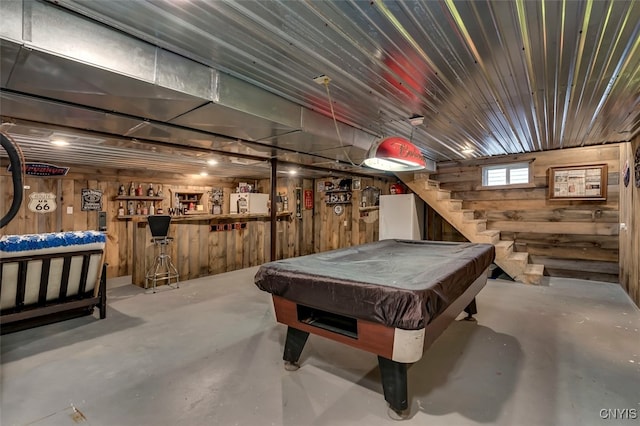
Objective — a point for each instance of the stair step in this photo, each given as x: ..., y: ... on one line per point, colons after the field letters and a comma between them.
x: 521, y: 258
x: 422, y: 176
x: 467, y: 214
x: 533, y: 274
x: 534, y: 269
x: 479, y: 225
x: 488, y: 237
x: 431, y: 185
x: 443, y: 194
x: 455, y: 204
x: 504, y: 248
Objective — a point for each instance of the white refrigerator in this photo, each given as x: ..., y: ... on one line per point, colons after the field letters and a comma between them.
x: 248, y: 202
x: 401, y: 217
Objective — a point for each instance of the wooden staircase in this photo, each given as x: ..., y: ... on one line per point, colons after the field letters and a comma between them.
x: 515, y: 264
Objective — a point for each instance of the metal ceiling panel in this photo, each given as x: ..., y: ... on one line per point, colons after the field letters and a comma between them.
x: 497, y: 77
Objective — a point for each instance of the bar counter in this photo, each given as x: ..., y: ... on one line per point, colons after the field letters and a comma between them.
x: 206, y: 244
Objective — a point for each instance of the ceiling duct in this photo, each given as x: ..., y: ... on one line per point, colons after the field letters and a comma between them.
x: 67, y: 70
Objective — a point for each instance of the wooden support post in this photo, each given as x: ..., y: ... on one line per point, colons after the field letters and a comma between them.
x: 274, y: 210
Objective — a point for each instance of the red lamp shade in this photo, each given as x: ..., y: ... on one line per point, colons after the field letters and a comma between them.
x: 395, y: 154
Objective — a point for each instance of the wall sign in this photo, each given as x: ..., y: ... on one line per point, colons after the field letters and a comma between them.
x: 91, y: 199
x: 43, y: 169
x: 578, y: 183
x: 308, y: 199
x: 42, y: 202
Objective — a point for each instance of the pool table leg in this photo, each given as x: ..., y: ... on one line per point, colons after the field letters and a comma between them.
x: 471, y: 310
x: 293, y: 348
x: 394, y: 383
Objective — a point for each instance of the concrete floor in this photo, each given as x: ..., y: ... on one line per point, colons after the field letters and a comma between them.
x: 210, y: 353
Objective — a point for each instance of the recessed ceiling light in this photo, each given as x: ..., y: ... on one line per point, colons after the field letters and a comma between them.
x: 212, y: 162
x: 293, y: 172
x: 468, y: 151
x: 204, y: 174
x: 59, y: 142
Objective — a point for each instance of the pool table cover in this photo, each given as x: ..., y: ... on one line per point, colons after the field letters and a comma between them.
x: 398, y: 283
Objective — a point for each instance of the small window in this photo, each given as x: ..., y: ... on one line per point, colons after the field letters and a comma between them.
x: 506, y: 174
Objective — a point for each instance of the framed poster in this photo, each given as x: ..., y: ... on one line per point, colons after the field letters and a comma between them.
x: 578, y: 183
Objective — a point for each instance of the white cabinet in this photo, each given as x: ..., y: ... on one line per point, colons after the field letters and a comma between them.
x: 401, y: 217
x: 249, y: 202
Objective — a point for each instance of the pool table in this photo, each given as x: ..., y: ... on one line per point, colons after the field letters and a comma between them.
x: 392, y: 298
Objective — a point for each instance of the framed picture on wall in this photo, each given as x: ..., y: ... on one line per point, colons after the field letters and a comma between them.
x: 578, y: 183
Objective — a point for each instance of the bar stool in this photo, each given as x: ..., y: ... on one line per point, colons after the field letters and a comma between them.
x: 163, y: 268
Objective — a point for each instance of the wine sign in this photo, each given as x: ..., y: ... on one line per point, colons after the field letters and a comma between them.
x: 42, y: 202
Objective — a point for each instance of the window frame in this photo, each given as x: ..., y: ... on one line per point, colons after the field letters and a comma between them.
x: 508, y: 166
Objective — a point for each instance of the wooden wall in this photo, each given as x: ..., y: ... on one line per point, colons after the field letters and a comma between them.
x: 630, y: 234
x: 576, y: 239
x: 352, y: 227
x: 316, y: 230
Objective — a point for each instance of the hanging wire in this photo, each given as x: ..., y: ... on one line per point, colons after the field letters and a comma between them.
x: 335, y: 122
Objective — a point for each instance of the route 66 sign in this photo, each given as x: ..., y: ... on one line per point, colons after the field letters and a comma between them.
x: 42, y: 202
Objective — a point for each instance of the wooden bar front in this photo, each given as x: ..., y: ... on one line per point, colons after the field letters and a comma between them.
x: 205, y: 244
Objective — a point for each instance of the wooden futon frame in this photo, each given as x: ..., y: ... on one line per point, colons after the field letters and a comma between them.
x: 51, y: 287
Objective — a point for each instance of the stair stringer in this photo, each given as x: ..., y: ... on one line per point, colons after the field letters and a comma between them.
x: 514, y: 264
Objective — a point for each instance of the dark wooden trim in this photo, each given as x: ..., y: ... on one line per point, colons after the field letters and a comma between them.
x: 21, y: 284
x: 47, y: 310
x: 274, y: 229
x: 44, y: 280
x: 64, y: 281
x: 372, y: 337
x: 44, y: 312
x: 83, y: 273
x: 48, y: 256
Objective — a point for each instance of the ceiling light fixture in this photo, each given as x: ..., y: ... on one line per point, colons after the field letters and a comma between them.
x: 212, y: 162
x: 467, y: 151
x: 395, y: 154
x: 416, y: 120
x: 59, y: 142
x: 293, y: 172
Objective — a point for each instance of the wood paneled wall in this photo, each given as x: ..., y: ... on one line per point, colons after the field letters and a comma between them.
x: 317, y: 230
x: 350, y: 228
x: 630, y: 217
x: 571, y: 238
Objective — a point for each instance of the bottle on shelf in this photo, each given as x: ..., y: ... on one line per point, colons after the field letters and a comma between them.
x: 121, y: 209
x: 145, y: 209
x: 150, y: 190
x: 138, y: 209
x: 159, y: 193
x: 132, y: 189
x: 152, y: 209
x: 160, y: 211
x: 139, y: 190
x: 121, y: 190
